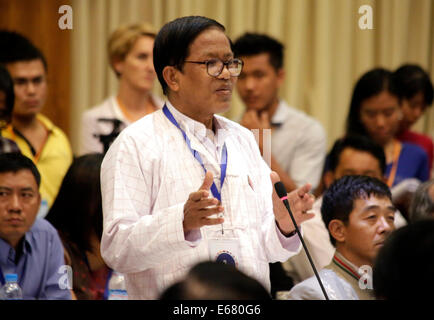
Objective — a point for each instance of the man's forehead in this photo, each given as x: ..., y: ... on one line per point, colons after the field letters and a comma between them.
x: 373, y: 200
x: 26, y: 69
x: 23, y: 175
x: 208, y: 45
x: 352, y: 157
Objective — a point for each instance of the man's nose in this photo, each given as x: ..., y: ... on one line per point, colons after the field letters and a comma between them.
x: 225, y: 74
x: 384, y: 225
x: 30, y: 87
x: 15, y: 203
x: 380, y: 121
x: 250, y: 83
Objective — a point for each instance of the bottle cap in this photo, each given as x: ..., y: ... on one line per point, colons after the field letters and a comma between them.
x: 11, y: 277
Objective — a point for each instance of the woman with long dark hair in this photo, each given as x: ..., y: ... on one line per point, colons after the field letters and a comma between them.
x: 77, y: 215
x: 375, y: 112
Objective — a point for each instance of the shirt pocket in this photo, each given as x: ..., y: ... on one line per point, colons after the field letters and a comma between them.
x: 241, y: 200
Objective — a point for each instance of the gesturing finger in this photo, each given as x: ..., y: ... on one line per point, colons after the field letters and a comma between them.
x: 303, y: 190
x: 198, y: 195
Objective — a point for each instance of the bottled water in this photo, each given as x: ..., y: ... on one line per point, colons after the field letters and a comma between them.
x: 117, y: 289
x: 11, y: 290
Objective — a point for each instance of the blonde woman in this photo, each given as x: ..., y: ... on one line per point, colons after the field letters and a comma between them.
x: 130, y: 55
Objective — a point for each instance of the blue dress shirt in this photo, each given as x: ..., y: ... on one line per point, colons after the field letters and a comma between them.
x: 39, y: 266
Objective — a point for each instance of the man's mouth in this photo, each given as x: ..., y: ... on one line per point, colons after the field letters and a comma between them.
x: 225, y: 89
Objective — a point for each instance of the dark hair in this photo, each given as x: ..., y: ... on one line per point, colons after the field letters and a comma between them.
x: 360, y: 143
x: 410, y: 79
x: 338, y: 199
x: 172, y: 43
x: 216, y: 281
x: 17, y: 48
x: 14, y: 162
x: 369, y: 85
x: 250, y: 44
x: 6, y: 86
x: 404, y: 266
x: 77, y: 211
x: 422, y: 204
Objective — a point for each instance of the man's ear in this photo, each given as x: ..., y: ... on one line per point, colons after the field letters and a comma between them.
x: 280, y: 77
x: 337, y: 230
x: 328, y: 178
x: 171, y: 76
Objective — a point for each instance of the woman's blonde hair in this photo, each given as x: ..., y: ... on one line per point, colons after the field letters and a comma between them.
x: 123, y: 39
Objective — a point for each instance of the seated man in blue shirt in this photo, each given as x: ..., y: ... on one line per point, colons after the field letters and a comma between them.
x: 31, y: 249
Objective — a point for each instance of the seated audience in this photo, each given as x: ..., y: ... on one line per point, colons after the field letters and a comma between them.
x: 29, y: 247
x: 375, y: 112
x: 77, y: 215
x: 7, y: 98
x: 351, y: 155
x: 404, y: 266
x: 359, y: 215
x: 422, y: 204
x: 298, y: 141
x: 215, y: 281
x: 130, y: 55
x: 36, y: 136
x: 415, y: 91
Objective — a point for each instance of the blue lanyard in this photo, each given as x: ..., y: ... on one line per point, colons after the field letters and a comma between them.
x: 196, y: 154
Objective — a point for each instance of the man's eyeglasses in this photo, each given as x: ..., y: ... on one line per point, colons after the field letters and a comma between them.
x: 214, y: 67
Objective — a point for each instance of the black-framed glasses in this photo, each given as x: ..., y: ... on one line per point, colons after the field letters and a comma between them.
x: 214, y: 67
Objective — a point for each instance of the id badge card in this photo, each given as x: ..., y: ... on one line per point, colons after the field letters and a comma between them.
x: 225, y: 250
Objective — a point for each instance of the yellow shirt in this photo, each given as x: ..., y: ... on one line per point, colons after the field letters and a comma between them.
x: 52, y: 162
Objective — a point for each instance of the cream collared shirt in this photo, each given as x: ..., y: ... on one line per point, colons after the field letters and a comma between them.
x: 91, y: 126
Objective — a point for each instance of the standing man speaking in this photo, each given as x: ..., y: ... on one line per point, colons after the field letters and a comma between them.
x: 183, y: 185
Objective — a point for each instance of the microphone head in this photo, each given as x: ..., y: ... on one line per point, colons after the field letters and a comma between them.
x: 280, y: 189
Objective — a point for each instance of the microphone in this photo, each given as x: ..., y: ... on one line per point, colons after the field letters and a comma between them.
x: 281, y: 192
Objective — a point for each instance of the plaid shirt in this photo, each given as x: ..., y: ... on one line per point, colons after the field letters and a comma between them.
x: 146, y: 178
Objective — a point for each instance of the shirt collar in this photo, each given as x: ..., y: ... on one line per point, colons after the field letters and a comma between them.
x: 5, y: 248
x: 198, y: 129
x: 281, y: 114
x: 46, y: 122
x: 346, y: 265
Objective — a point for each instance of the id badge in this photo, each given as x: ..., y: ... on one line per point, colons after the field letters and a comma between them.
x: 225, y: 250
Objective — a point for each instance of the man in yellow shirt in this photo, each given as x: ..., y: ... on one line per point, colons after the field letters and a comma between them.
x: 36, y: 136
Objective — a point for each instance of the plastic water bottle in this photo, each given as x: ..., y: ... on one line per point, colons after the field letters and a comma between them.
x: 117, y: 289
x: 11, y: 290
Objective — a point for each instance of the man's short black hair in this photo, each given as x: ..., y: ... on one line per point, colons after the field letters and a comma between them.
x: 211, y: 280
x: 404, y: 266
x: 172, y: 43
x: 250, y: 44
x: 18, y: 48
x: 410, y: 79
x: 357, y: 142
x: 7, y: 87
x: 14, y: 162
x: 338, y: 200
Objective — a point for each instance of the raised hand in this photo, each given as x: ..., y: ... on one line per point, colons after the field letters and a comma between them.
x: 199, y: 208
x: 300, y: 201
